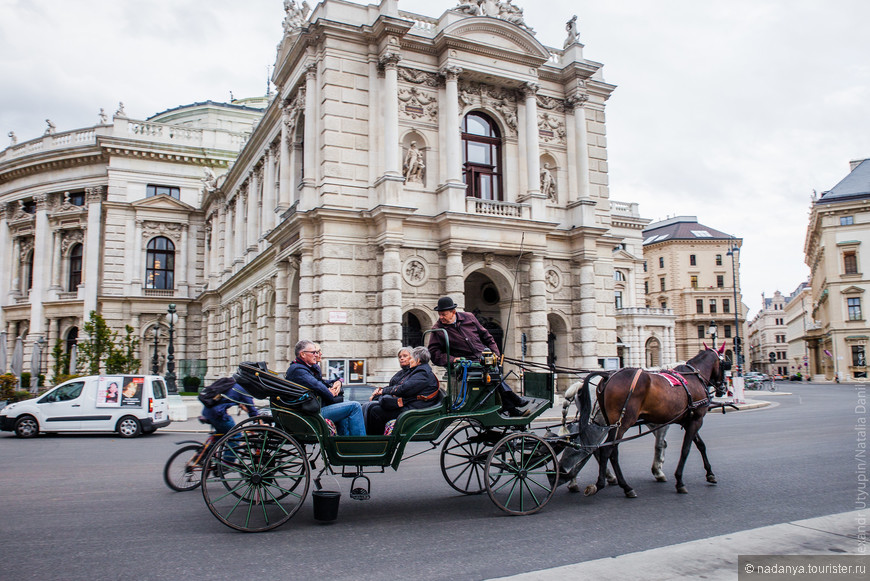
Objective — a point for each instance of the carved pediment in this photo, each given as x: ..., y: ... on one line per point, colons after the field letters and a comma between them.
x: 162, y: 202
x: 493, y: 36
x: 852, y: 290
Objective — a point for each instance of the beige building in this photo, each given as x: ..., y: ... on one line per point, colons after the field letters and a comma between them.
x: 837, y: 236
x: 768, y: 346
x: 693, y: 270
x: 404, y: 157
x: 797, y: 323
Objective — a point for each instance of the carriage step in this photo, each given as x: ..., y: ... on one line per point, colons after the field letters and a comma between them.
x: 360, y: 492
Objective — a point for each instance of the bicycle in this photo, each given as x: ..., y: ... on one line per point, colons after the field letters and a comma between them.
x: 183, y: 470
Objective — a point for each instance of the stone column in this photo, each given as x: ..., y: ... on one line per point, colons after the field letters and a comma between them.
x: 307, y: 316
x: 309, y: 178
x: 452, y: 124
x: 537, y: 310
x: 285, y: 171
x: 239, y: 234
x: 454, y: 285
x: 192, y: 234
x: 228, y: 235
x: 281, y: 355
x: 138, y: 252
x: 581, y: 143
x: 93, y: 249
x: 56, y: 256
x: 267, y: 208
x: 41, y: 248
x: 182, y: 262
x: 533, y: 150
x: 588, y: 319
x: 6, y: 261
x: 253, y: 230
x: 390, y: 62
x: 15, y: 290
x: 391, y: 300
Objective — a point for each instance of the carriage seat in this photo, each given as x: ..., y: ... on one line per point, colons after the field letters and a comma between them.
x: 411, y: 420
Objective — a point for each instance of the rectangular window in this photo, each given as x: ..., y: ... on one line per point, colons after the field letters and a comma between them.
x: 718, y: 260
x: 850, y: 263
x: 699, y: 305
x: 854, y: 309
x: 701, y: 331
x: 618, y: 299
x: 694, y: 281
x: 646, y: 287
x: 858, y: 359
x: 720, y: 280
x: 155, y: 190
x: 692, y: 261
x: 662, y: 283
x: 661, y: 261
x: 726, y: 305
x: 712, y: 305
x: 847, y: 220
x: 644, y: 265
x: 664, y: 304
x: 727, y: 331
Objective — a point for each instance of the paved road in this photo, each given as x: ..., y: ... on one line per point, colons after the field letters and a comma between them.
x: 95, y: 507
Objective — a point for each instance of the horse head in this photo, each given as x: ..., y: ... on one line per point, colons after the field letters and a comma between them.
x: 712, y: 363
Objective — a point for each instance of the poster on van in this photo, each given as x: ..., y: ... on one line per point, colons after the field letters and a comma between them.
x: 131, y: 395
x: 109, y: 391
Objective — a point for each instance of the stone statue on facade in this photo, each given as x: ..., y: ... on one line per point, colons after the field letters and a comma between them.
x: 548, y: 183
x: 209, y: 180
x: 573, y: 35
x: 295, y: 15
x: 413, y: 167
x: 469, y: 7
x: 51, y: 128
x: 120, y: 112
x: 13, y: 138
x: 104, y: 119
x: 501, y: 9
x: 511, y: 13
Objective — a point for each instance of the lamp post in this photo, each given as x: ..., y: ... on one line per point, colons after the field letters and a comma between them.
x: 155, y: 362
x: 737, y: 346
x: 712, y: 331
x: 172, y: 318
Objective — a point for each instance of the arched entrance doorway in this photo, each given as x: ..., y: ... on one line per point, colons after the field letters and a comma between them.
x: 653, y: 351
x: 484, y: 299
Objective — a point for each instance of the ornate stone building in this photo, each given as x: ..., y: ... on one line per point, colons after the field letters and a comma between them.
x: 404, y: 157
x: 834, y: 250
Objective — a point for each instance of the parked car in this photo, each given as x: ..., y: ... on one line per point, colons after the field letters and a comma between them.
x: 127, y: 404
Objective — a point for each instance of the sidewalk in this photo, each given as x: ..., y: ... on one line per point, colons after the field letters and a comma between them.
x: 715, y: 558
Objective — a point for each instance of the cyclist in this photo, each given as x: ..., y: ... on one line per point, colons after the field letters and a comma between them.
x: 218, y: 417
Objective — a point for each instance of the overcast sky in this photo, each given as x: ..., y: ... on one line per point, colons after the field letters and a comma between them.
x: 731, y: 111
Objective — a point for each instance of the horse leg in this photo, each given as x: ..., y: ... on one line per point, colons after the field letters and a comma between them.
x: 620, y: 479
x: 691, y: 431
x: 702, y: 448
x: 659, y: 455
x: 602, y: 455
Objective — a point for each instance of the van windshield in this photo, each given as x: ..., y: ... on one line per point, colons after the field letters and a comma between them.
x: 66, y: 392
x: 159, y: 388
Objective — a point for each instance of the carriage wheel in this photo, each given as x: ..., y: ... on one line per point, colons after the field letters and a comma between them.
x: 463, y: 458
x: 522, y: 473
x: 259, y: 478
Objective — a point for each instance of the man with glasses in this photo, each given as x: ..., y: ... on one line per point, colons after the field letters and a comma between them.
x: 305, y: 370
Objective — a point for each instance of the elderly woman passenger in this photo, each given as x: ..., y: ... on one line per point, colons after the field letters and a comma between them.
x: 414, y: 388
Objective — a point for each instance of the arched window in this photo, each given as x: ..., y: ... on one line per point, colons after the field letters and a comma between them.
x: 75, y: 268
x: 481, y: 157
x: 160, y: 273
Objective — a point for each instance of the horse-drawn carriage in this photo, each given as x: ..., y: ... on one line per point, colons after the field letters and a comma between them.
x: 260, y: 473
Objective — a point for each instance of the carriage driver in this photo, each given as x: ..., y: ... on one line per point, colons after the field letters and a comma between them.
x: 468, y: 339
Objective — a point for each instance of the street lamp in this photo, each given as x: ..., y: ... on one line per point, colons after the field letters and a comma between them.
x: 712, y: 332
x: 172, y: 318
x: 737, y: 347
x: 155, y: 362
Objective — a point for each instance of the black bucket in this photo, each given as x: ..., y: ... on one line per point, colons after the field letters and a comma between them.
x: 326, y: 504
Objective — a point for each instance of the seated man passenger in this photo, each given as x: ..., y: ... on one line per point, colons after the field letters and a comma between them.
x: 347, y: 415
x: 414, y: 389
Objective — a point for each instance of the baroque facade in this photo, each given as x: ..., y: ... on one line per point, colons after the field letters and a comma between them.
x: 768, y: 343
x: 837, y: 234
x: 403, y: 158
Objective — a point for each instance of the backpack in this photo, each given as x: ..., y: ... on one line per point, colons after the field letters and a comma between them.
x: 211, y: 395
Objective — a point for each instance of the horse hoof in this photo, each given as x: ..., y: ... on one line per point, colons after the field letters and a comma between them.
x: 574, y: 488
x: 682, y: 490
x: 630, y: 494
x: 611, y: 480
x: 590, y: 490
x: 661, y: 478
x: 712, y: 479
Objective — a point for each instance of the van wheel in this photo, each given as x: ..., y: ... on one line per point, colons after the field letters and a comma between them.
x: 26, y: 427
x: 128, y: 427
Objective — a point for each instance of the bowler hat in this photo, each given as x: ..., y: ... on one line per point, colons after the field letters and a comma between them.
x: 445, y: 304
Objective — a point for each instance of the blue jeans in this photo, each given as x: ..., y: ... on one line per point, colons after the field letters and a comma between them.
x: 222, y: 425
x: 347, y: 416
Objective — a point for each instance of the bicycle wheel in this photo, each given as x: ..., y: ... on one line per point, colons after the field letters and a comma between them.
x: 181, y: 472
x: 522, y: 473
x: 259, y: 480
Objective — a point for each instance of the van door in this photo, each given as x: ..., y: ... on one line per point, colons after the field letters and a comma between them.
x: 159, y: 411
x: 62, y: 408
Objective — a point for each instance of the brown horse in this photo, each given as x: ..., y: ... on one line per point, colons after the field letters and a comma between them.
x: 632, y: 395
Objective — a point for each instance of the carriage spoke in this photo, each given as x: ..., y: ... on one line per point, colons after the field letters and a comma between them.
x: 527, y: 464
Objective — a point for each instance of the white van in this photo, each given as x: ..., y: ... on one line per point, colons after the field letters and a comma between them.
x: 127, y: 404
